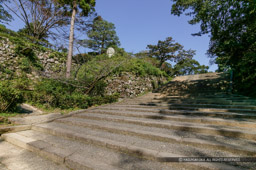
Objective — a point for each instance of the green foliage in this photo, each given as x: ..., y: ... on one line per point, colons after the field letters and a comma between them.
x: 94, y: 67
x: 82, y: 58
x: 41, y: 18
x: 140, y: 68
x: 33, y: 31
x: 23, y: 41
x: 4, y: 15
x: 98, y: 88
x: 245, y: 75
x: 189, y: 67
x: 85, y: 6
x: 29, y: 60
x: 154, y: 84
x: 99, y: 100
x: 5, y: 73
x: 10, y: 96
x: 102, y: 35
x: 53, y: 94
x: 232, y: 25
x: 116, y: 65
x: 144, y: 55
x: 64, y: 94
x: 169, y: 50
x: 7, y: 32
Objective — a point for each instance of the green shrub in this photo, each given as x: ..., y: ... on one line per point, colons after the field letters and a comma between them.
x: 154, y: 84
x: 98, y: 89
x: 65, y: 95
x: 29, y: 60
x: 102, y: 63
x: 5, y: 73
x: 10, y: 97
x: 140, y: 68
x: 52, y: 93
x: 99, y: 100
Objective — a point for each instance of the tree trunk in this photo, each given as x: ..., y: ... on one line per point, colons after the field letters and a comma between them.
x: 160, y: 64
x: 71, y: 39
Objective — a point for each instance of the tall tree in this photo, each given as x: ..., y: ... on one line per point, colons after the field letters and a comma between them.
x: 232, y: 27
x: 83, y: 8
x: 4, y: 15
x: 40, y: 17
x: 189, y: 67
x: 102, y: 35
x: 169, y: 50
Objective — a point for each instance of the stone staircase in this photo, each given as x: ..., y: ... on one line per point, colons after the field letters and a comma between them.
x: 192, y: 116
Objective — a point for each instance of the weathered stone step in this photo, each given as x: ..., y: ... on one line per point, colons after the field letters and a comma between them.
x: 243, y: 102
x: 74, y: 158
x: 228, y: 96
x: 186, y: 100
x: 166, y: 105
x: 163, y: 112
x: 177, y: 101
x: 202, y: 98
x: 245, y: 123
x: 193, y: 93
x: 232, y: 110
x: 195, y: 88
x: 80, y: 134
x: 227, y: 99
x: 223, y: 97
x: 147, y: 149
x: 244, y: 133
x: 15, y: 158
x: 83, y: 156
x: 200, y: 101
x: 241, y: 99
x: 169, y: 140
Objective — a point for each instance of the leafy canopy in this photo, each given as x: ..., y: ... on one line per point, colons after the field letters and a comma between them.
x: 189, y: 67
x: 102, y: 35
x: 169, y: 50
x: 4, y: 15
x: 232, y: 27
x: 85, y: 6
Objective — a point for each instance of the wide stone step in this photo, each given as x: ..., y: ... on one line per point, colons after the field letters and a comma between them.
x: 228, y: 99
x: 77, y: 155
x: 245, y: 123
x: 178, y: 141
x: 143, y: 148
x: 210, y: 97
x: 166, y: 105
x: 163, y: 112
x: 197, y: 107
x: 244, y: 133
x: 197, y: 101
x: 200, y: 101
x: 55, y: 152
x: 232, y: 110
x: 15, y: 158
x: 193, y: 93
x: 214, y: 97
x: 236, y: 123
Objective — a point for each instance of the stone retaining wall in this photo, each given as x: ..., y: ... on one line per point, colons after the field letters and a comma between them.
x: 126, y: 84
x: 130, y: 85
x: 52, y: 62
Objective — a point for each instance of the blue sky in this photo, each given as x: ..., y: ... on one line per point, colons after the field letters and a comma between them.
x: 142, y: 22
